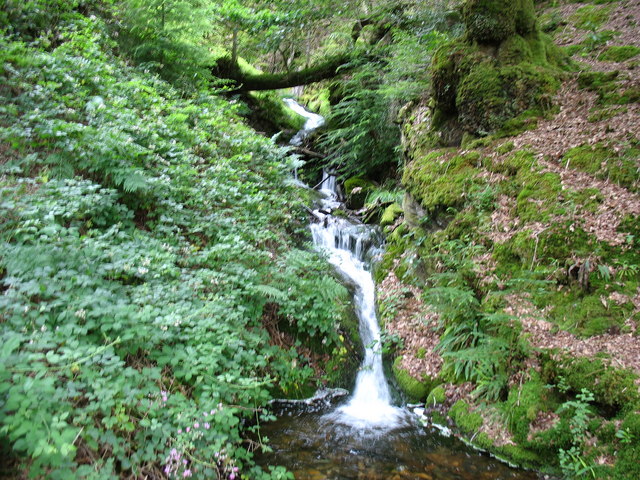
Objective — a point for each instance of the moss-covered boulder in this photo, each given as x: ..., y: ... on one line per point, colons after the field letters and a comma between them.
x: 492, y: 21
x: 357, y: 189
x: 390, y: 214
x: 415, y: 389
x: 502, y: 67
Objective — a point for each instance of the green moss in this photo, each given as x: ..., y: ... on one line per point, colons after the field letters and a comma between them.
x: 631, y: 424
x: 482, y: 99
x: 601, y: 114
x: 627, y: 466
x: 619, y: 53
x: 492, y: 21
x: 523, y: 404
x: 357, y: 189
x: 483, y: 441
x: 390, y: 214
x: 603, y: 161
x: 466, y: 420
x: 421, y: 353
x: 606, y: 86
x: 505, y: 148
x: 439, y: 182
x: 538, y: 197
x: 522, y: 457
x: 273, y: 110
x: 415, y: 389
x: 612, y: 387
x: 437, y: 395
x: 597, y: 80
x: 590, y: 17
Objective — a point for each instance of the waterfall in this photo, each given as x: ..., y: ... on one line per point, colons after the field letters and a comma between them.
x: 343, y: 241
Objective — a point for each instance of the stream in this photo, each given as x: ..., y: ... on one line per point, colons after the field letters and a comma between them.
x: 366, y: 436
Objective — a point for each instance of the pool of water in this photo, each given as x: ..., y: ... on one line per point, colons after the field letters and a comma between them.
x: 314, y: 447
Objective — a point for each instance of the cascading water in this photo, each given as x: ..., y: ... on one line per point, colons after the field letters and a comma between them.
x: 367, y: 437
x: 370, y: 406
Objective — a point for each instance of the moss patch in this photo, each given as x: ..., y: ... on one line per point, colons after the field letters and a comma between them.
x: 415, y: 389
x: 619, y: 53
x: 437, y: 395
x: 390, y: 214
x: 612, y: 388
x: 590, y: 17
x: 440, y: 181
x: 466, y: 420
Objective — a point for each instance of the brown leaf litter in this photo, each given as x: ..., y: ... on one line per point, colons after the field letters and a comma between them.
x: 415, y: 324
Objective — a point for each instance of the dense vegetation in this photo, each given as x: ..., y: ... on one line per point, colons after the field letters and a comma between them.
x: 149, y: 244
x: 157, y: 284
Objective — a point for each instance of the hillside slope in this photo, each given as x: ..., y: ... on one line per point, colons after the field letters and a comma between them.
x: 511, y: 283
x: 153, y: 268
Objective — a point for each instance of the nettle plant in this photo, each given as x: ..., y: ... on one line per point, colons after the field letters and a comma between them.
x: 141, y: 236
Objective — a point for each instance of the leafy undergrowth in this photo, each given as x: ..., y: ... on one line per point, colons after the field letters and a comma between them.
x: 146, y: 241
x: 526, y: 244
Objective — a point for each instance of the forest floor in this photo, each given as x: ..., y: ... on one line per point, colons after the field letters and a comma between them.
x: 583, y: 118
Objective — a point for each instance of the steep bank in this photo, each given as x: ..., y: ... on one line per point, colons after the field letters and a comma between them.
x: 156, y: 287
x: 511, y: 281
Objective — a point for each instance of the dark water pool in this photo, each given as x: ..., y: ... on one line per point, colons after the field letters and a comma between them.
x: 314, y: 447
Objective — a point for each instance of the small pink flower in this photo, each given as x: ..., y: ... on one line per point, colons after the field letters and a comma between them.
x: 207, y: 426
x: 188, y: 429
x: 205, y: 414
x: 196, y: 425
x: 234, y: 469
x: 179, y: 430
x: 187, y: 473
x: 232, y: 476
x: 213, y: 412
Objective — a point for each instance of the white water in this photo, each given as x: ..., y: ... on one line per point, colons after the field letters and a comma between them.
x: 313, y: 122
x: 370, y: 405
x: 346, y: 245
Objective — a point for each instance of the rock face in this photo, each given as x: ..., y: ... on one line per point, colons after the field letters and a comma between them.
x: 503, y: 66
x: 321, y: 400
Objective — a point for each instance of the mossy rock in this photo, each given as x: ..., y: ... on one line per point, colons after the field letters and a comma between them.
x: 436, y: 396
x: 390, y: 214
x: 492, y: 21
x: 357, y: 189
x: 439, y: 182
x: 466, y: 420
x: 415, y: 389
x: 524, y: 402
x: 613, y: 388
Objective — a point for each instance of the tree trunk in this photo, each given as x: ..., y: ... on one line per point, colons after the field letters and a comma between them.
x: 329, y: 68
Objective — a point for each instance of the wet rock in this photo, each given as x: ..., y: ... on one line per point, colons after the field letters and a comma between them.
x: 321, y: 400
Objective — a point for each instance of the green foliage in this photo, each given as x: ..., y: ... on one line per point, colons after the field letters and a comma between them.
x: 146, y: 240
x: 361, y: 132
x: 167, y: 37
x: 572, y: 461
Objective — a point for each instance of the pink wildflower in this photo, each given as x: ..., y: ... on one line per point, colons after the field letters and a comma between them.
x: 196, y: 425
